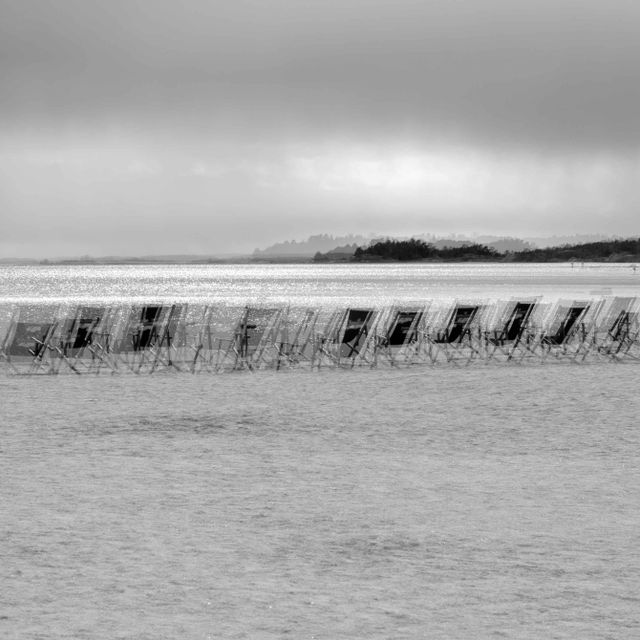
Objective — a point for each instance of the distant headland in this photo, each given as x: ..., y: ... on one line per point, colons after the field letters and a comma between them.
x: 418, y: 250
x: 325, y: 248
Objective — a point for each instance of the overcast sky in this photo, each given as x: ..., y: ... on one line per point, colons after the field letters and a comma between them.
x: 204, y: 126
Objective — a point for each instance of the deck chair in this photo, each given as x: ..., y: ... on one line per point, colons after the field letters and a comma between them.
x: 259, y: 337
x: 617, y: 332
x: 456, y: 338
x: 399, y: 343
x: 566, y: 331
x: 254, y: 342
x: 143, y: 334
x: 506, y: 337
x: 325, y: 336
x: 28, y: 343
x: 295, y: 344
x: 170, y: 339
x: 347, y: 338
x: 7, y: 313
x: 199, y: 340
x: 216, y: 346
x: 76, y: 341
x: 353, y: 336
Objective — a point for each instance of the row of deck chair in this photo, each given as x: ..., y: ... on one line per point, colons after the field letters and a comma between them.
x: 207, y: 338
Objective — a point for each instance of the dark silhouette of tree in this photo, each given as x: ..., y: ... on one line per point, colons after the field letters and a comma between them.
x: 413, y: 249
x: 611, y: 250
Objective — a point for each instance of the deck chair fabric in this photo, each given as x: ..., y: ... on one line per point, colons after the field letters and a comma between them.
x: 403, y: 328
x: 345, y: 338
x: 254, y: 340
x: 218, y: 347
x: 506, y: 337
x: 617, y: 331
x: 564, y: 334
x: 147, y: 331
x: 355, y: 336
x: 198, y: 341
x: 144, y: 331
x: 295, y: 343
x: 567, y: 322
x: 459, y: 324
x: 78, y: 330
x: 78, y: 334
x: 399, y: 343
x: 29, y: 340
x: 355, y: 330
x: 456, y: 339
x: 169, y: 338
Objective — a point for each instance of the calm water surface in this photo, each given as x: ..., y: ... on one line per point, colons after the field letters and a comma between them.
x: 487, y: 502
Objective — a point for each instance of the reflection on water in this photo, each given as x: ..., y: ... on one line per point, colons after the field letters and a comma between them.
x: 313, y: 284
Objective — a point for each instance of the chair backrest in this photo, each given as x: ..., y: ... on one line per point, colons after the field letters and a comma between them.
x: 255, y: 326
x: 354, y: 330
x: 517, y: 320
x: 567, y: 319
x: 403, y: 328
x: 29, y: 339
x: 297, y: 329
x: 460, y: 322
x: 140, y: 328
x: 148, y: 330
x: 30, y: 331
x: 618, y: 318
x: 78, y: 330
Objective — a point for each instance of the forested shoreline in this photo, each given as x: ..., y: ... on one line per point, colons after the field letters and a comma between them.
x: 413, y: 250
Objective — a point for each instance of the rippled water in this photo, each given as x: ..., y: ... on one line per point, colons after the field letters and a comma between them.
x: 426, y: 503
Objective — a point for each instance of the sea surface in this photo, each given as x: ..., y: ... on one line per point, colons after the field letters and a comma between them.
x: 480, y: 502
x: 310, y: 284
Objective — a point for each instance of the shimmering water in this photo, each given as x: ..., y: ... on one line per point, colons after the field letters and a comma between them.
x: 313, y: 284
x: 428, y: 503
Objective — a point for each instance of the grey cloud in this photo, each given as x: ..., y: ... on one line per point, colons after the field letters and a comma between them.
x: 203, y: 125
x: 546, y: 74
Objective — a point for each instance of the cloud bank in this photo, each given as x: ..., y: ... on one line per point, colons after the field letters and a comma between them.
x: 137, y: 127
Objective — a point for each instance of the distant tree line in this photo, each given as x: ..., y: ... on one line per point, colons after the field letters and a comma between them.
x: 415, y: 249
x: 404, y: 250
x: 604, y: 251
